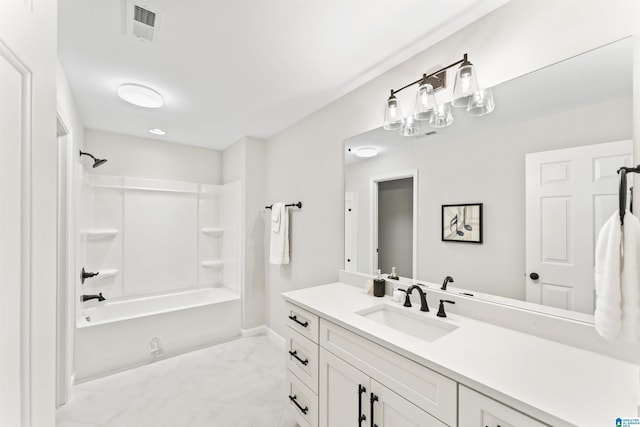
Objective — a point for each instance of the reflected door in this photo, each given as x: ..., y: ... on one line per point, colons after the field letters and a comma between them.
x: 570, y: 193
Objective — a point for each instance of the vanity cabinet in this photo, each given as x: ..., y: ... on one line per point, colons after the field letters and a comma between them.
x: 478, y: 410
x: 339, y: 378
x: 348, y: 395
x: 302, y: 365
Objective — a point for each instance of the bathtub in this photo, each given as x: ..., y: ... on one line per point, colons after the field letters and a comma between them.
x: 112, y: 336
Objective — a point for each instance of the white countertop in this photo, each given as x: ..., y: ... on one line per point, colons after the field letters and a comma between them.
x: 553, y: 382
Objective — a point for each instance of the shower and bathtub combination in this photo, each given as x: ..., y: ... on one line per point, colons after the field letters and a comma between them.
x: 167, y: 257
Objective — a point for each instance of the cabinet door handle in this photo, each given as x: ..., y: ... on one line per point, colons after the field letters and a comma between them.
x: 373, y: 399
x: 361, y: 417
x: 294, y: 400
x: 295, y: 354
x: 295, y: 319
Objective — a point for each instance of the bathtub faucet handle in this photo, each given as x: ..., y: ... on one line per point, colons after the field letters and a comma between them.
x: 87, y: 275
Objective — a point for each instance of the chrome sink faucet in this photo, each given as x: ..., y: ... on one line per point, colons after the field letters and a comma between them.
x: 423, y: 298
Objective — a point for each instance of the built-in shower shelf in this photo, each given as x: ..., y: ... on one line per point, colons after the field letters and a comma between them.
x: 214, y: 263
x: 103, y: 274
x: 213, y: 231
x: 100, y: 233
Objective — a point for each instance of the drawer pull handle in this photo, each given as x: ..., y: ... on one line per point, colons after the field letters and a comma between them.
x: 374, y: 399
x: 361, y: 417
x: 295, y: 319
x: 303, y: 410
x: 295, y: 354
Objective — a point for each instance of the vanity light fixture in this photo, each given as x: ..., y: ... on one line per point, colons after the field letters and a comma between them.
x: 366, y: 152
x: 466, y: 93
x: 157, y: 131
x: 140, y: 95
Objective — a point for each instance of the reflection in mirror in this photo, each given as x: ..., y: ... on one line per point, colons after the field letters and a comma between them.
x: 543, y: 165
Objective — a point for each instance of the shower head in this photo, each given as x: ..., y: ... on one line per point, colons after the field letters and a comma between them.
x: 99, y: 162
x: 96, y: 162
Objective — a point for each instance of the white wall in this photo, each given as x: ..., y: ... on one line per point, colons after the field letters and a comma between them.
x: 485, y: 167
x: 244, y: 160
x: 305, y: 161
x: 70, y: 117
x: 148, y: 158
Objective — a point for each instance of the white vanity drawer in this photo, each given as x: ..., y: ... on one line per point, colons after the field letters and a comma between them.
x: 302, y: 359
x: 303, y: 403
x: 434, y: 393
x: 477, y: 410
x: 302, y: 321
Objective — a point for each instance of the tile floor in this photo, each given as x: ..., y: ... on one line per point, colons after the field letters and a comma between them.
x: 236, y: 384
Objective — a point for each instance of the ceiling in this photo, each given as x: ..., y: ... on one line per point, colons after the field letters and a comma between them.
x: 234, y: 68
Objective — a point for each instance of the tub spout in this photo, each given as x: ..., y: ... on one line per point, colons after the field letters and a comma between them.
x: 99, y: 297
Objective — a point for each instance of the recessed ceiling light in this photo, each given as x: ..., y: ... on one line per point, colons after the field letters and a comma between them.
x: 366, y: 152
x: 157, y: 131
x: 141, y: 96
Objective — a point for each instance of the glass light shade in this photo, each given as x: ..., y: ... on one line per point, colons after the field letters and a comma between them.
x: 465, y: 85
x: 442, y: 116
x: 409, y: 127
x: 141, y: 96
x: 425, y: 102
x: 392, y: 114
x: 481, y: 103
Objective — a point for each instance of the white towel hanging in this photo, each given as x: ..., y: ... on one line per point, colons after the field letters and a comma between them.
x: 617, y: 277
x: 279, y: 245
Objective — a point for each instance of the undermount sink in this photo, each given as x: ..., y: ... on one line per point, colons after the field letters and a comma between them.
x: 404, y: 320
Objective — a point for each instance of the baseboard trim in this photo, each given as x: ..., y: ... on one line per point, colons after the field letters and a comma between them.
x: 264, y: 330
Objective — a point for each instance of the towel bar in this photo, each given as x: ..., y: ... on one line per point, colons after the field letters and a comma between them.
x: 298, y: 205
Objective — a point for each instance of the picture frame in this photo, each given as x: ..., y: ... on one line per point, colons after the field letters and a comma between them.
x: 462, y: 223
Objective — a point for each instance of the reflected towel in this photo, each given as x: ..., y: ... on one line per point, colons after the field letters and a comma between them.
x: 279, y: 246
x: 617, y: 275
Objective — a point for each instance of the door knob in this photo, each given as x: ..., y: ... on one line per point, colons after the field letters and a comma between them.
x: 534, y: 276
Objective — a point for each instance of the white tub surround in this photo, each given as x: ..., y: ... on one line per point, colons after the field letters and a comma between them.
x: 116, y: 335
x: 168, y: 257
x: 551, y: 383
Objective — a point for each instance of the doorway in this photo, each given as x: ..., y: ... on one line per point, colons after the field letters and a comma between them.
x: 394, y: 223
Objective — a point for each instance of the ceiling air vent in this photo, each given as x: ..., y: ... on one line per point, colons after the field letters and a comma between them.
x: 142, y: 22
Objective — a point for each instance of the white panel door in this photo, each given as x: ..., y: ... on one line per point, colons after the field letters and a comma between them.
x: 28, y: 160
x: 344, y: 393
x: 570, y: 193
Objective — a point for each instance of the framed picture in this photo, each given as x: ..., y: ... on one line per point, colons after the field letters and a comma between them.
x: 462, y: 223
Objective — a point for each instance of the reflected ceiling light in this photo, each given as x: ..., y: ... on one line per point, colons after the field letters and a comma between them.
x: 157, y: 131
x: 366, y: 152
x: 466, y: 93
x: 139, y: 95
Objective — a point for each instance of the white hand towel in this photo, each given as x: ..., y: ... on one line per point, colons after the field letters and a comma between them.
x: 279, y: 246
x: 631, y: 278
x: 608, y: 313
x: 276, y: 215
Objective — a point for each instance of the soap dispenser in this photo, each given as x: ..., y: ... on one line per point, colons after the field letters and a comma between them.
x: 378, y: 285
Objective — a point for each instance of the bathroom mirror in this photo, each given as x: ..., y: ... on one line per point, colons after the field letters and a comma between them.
x: 543, y: 166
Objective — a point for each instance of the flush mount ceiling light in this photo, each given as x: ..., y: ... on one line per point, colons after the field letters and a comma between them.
x: 139, y: 95
x: 366, y: 152
x: 157, y: 131
x: 466, y: 93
